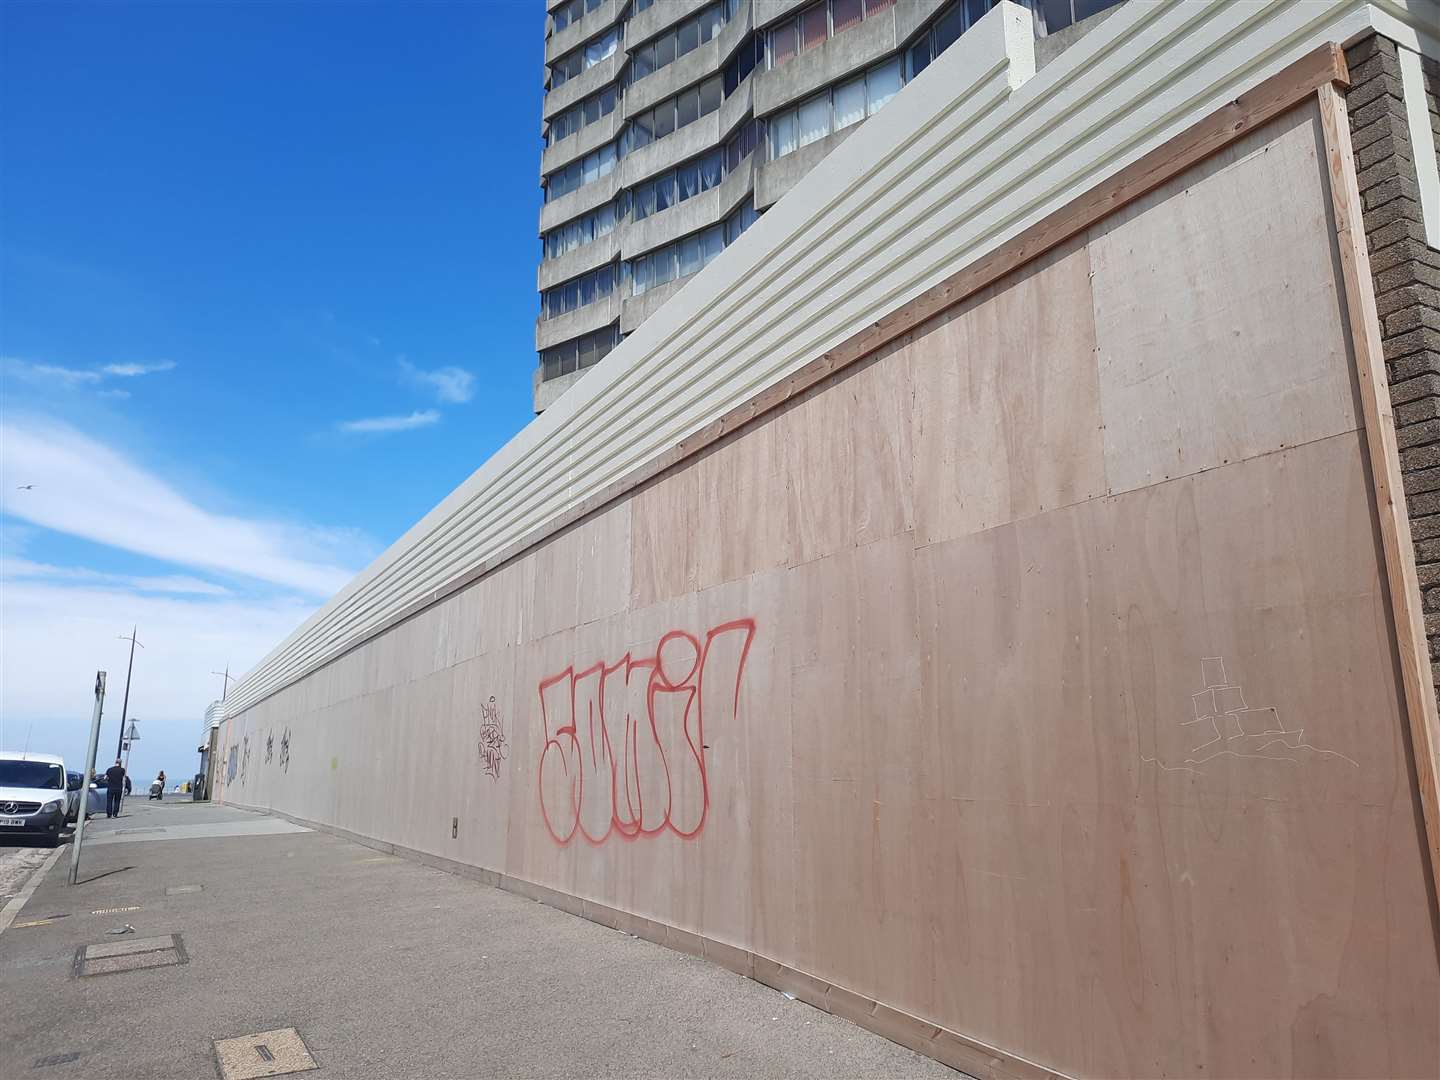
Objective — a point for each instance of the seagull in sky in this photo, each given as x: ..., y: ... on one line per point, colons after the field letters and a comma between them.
x: 26, y: 487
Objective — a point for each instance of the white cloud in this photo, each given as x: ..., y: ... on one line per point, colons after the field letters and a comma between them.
x: 385, y: 424
x: 58, y: 634
x: 87, y: 489
x: 33, y: 372
x: 128, y: 371
x: 11, y: 568
x: 452, y: 385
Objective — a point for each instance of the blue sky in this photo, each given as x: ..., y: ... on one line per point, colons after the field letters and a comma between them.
x: 267, y: 294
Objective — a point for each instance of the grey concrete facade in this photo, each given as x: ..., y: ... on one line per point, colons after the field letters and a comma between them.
x: 842, y: 39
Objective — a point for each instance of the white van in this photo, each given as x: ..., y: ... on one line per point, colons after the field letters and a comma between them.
x: 32, y: 796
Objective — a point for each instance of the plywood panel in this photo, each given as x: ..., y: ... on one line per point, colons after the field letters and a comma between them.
x: 1185, y: 900
x: 1007, y: 403
x: 846, y: 453
x: 1115, y: 783
x: 1217, y: 317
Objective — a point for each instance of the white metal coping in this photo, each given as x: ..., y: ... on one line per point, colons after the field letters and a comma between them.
x: 969, y: 154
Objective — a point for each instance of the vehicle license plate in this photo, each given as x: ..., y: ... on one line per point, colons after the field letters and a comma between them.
x: 12, y: 822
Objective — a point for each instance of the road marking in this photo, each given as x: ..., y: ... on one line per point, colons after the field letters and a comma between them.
x: 12, y: 909
x: 114, y: 910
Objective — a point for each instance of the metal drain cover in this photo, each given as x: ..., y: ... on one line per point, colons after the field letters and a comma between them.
x: 133, y: 954
x: 269, y: 1053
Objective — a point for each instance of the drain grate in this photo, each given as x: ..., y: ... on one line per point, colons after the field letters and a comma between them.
x: 114, y: 910
x: 136, y: 954
x: 267, y: 1053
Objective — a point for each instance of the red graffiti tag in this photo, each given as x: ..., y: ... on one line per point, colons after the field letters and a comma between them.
x: 624, y: 750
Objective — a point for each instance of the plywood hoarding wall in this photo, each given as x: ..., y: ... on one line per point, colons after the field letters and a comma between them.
x: 1034, y: 677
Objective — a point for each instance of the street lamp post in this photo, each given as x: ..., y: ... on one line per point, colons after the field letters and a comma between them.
x: 225, y: 686
x: 125, y: 702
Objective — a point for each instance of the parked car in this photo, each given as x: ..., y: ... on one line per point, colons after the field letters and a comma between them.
x: 33, y: 796
x: 94, y: 797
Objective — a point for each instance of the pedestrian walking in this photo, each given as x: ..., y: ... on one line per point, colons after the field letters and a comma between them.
x: 127, y: 783
x: 115, y: 780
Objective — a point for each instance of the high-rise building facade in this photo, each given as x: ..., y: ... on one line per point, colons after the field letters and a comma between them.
x: 670, y: 125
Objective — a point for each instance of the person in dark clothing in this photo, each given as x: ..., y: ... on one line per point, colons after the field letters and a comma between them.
x: 127, y: 783
x: 114, y: 786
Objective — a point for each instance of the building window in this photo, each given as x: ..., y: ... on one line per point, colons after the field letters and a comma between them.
x: 587, y: 56
x: 817, y: 23
x: 671, y: 114
x: 742, y: 144
x: 834, y: 109
x: 845, y: 14
x: 690, y: 255
x: 581, y: 115
x: 580, y: 353
x: 569, y: 13
x: 745, y: 60
x: 582, y: 231
x: 599, y: 163
x: 943, y: 31
x: 676, y: 42
x: 678, y: 184
x: 578, y: 292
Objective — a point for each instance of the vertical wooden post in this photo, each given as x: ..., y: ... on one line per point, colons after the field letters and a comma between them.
x: 1384, y: 464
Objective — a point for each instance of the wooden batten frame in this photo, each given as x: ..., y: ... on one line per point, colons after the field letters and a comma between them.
x: 1283, y: 91
x: 1384, y: 456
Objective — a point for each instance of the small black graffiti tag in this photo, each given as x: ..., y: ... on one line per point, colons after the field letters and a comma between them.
x: 285, y: 751
x: 244, y: 757
x: 493, y: 747
x: 269, y: 747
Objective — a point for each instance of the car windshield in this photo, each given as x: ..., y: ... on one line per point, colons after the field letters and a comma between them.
x: 32, y: 774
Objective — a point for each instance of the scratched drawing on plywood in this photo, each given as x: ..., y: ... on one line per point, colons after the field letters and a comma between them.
x: 624, y: 752
x: 1222, y: 724
x: 493, y: 747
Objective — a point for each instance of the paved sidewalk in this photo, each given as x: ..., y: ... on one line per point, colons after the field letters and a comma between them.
x: 387, y: 969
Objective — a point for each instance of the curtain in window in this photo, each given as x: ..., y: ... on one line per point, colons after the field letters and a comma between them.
x: 782, y: 135
x: 814, y: 119
x: 813, y: 26
x: 873, y: 7
x: 689, y: 256
x: 687, y: 180
x: 845, y: 14
x: 710, y: 170
x: 883, y: 83
x: 850, y: 103
x: 784, y: 43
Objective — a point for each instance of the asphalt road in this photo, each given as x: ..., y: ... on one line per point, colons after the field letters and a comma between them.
x: 386, y: 968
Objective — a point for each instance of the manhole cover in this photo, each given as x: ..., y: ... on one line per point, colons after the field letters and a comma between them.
x: 270, y: 1053
x: 134, y: 954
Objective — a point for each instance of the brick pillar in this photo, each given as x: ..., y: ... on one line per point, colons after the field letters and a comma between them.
x: 1406, y: 272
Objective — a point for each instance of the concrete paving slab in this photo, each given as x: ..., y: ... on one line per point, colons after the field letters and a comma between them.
x: 264, y: 826
x: 388, y: 969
